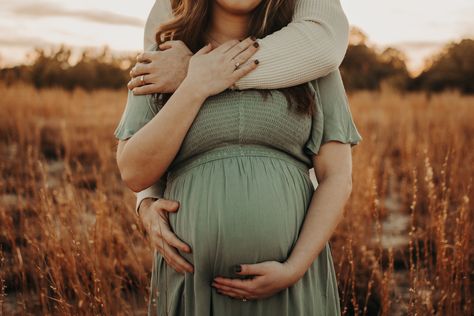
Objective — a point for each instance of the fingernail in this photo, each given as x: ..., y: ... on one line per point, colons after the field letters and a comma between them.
x: 237, y: 268
x: 256, y: 61
x: 253, y: 38
x: 256, y: 44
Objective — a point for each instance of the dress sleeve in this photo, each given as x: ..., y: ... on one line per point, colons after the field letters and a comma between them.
x: 315, y: 40
x: 139, y: 110
x: 332, y: 120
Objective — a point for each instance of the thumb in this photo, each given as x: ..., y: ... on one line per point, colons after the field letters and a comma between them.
x: 205, y: 49
x: 252, y: 269
x: 167, y: 44
x: 167, y: 205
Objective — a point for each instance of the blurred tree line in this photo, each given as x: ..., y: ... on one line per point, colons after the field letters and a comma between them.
x: 364, y: 68
x: 93, y: 69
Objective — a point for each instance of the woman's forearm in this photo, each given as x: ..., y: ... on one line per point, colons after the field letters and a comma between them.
x: 145, y: 157
x: 324, y: 213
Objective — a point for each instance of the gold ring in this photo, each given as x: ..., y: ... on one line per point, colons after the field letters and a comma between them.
x: 237, y: 65
x: 142, y: 79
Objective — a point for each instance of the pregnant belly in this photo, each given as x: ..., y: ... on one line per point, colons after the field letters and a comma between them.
x: 239, y: 210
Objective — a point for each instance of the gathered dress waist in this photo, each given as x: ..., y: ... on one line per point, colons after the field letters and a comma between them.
x: 233, y: 150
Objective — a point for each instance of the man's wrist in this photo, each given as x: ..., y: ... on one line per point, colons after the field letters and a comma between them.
x: 145, y: 203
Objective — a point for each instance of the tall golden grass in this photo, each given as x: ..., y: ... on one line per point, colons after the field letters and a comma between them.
x: 71, y: 245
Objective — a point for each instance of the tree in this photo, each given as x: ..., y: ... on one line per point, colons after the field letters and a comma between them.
x: 452, y: 68
x: 365, y: 68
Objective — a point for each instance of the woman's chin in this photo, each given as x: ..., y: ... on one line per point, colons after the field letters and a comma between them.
x: 238, y: 6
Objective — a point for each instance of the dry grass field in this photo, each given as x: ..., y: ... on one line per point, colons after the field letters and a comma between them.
x: 70, y: 244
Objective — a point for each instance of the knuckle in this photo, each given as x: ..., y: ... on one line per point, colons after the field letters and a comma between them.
x: 251, y: 289
x: 158, y: 234
x: 174, y: 258
x: 167, y: 237
x: 244, y: 45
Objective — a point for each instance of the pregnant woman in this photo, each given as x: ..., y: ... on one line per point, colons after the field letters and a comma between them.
x: 237, y: 161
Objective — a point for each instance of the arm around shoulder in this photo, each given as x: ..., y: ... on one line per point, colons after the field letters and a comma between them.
x: 311, y: 46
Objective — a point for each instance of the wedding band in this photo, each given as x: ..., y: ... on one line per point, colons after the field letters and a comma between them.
x: 142, y: 79
x: 237, y: 64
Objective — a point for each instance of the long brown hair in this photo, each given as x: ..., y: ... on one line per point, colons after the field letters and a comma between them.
x: 191, y: 16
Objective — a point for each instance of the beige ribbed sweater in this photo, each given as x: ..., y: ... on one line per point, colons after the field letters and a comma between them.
x: 311, y: 46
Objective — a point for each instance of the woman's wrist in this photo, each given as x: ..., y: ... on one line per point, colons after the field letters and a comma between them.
x: 193, y: 89
x: 296, y: 269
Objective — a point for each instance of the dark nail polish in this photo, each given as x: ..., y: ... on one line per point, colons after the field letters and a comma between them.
x: 256, y: 61
x: 253, y: 38
x: 237, y: 268
x: 256, y: 44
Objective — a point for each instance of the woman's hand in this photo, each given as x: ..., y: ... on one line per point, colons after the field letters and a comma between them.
x: 270, y: 278
x: 154, y: 216
x: 162, y: 71
x: 211, y: 71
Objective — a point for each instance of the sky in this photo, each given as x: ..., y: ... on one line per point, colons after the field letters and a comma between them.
x: 417, y: 27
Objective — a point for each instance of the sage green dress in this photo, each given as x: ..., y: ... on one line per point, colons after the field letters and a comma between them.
x: 242, y: 179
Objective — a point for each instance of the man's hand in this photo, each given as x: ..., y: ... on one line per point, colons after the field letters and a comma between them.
x: 154, y: 216
x: 160, y: 71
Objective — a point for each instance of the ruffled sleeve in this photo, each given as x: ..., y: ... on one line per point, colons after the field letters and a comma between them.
x: 139, y: 110
x: 332, y: 120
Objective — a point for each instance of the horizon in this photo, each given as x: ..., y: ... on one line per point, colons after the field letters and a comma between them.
x: 120, y: 27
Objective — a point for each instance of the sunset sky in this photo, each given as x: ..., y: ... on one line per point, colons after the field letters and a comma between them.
x: 418, y: 27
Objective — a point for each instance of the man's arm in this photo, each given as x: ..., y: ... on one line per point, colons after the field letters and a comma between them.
x: 310, y: 47
x: 160, y: 12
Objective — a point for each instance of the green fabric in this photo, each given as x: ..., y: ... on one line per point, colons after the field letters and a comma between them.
x: 241, y: 176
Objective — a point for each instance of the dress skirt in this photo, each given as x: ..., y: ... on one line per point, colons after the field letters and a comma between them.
x: 239, y: 205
